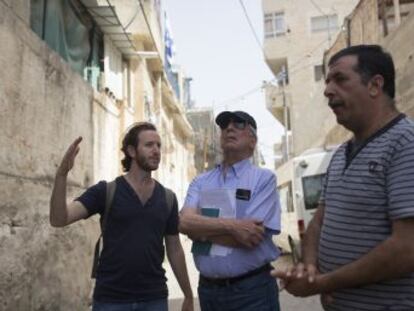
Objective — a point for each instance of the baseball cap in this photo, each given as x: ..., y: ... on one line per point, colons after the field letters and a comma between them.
x: 224, y: 118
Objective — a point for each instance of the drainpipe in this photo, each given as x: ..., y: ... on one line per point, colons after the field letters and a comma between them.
x: 348, y: 30
x: 397, y: 14
x: 382, y: 9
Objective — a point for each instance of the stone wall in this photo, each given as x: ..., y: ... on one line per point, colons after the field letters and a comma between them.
x: 364, y: 25
x: 365, y: 29
x: 401, y: 45
x: 44, y: 106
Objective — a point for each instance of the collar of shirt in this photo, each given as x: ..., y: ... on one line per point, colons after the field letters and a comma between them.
x: 237, y: 168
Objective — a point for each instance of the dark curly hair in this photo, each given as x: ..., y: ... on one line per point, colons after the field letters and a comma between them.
x: 131, y: 139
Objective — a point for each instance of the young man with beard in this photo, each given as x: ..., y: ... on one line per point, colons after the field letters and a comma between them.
x: 358, y: 251
x: 130, y: 274
x: 237, y: 277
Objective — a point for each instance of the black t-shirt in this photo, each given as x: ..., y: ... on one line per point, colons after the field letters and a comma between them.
x: 130, y: 268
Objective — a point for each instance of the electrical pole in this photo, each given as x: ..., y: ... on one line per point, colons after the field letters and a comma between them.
x: 205, y: 163
x: 382, y: 12
x: 285, y: 113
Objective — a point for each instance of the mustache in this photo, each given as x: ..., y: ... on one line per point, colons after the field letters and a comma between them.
x: 230, y: 137
x: 335, y: 103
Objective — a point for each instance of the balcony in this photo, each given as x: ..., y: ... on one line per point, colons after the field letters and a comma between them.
x: 129, y: 25
x: 277, y: 102
x: 276, y: 64
x: 276, y: 53
x: 109, y: 23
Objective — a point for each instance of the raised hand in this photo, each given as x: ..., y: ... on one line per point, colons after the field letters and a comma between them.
x: 69, y: 158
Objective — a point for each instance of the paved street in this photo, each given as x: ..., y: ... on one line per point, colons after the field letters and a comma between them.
x: 287, y: 302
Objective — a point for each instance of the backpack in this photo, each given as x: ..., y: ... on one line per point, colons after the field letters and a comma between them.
x: 110, y: 192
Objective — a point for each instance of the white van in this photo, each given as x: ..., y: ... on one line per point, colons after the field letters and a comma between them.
x: 300, y: 183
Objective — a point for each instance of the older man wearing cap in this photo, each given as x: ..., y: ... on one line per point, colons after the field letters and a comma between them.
x: 231, y: 214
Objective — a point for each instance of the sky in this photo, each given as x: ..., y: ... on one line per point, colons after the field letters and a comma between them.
x: 216, y: 47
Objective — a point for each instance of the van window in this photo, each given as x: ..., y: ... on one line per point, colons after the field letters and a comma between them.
x: 312, y: 187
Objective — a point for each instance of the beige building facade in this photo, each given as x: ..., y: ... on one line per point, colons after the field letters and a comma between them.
x: 48, y: 97
x: 208, y: 152
x: 296, y: 33
x: 390, y: 24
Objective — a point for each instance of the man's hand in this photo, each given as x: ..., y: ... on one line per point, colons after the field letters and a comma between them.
x: 297, y: 280
x: 248, y: 232
x: 302, y: 281
x: 69, y: 158
x: 308, y: 271
x: 62, y: 214
x: 188, y: 304
x: 301, y: 287
x: 288, y: 275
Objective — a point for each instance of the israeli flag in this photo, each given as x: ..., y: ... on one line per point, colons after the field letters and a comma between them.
x: 169, y: 42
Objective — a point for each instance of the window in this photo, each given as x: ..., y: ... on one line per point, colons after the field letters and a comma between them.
x: 318, y: 72
x: 274, y: 24
x: 95, y: 64
x: 68, y: 28
x: 312, y: 188
x: 324, y: 23
x: 127, y: 84
x: 113, y: 69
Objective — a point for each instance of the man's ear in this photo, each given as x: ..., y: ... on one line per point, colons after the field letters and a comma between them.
x: 376, y: 85
x: 253, y: 141
x: 131, y: 151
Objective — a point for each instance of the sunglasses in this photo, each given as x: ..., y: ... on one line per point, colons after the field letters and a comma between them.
x: 238, y: 124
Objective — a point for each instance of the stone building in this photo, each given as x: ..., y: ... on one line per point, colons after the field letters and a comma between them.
x: 296, y: 33
x: 390, y: 24
x: 74, y: 68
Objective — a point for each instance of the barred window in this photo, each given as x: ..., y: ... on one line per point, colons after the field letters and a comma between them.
x: 274, y: 24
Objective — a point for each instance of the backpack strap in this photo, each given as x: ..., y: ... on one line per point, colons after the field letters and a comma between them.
x: 169, y: 197
x: 109, y: 197
x: 110, y: 192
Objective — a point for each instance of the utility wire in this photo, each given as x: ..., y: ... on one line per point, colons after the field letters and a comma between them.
x: 251, y: 27
x: 239, y: 97
x: 148, y: 26
x: 236, y: 99
x: 96, y: 14
x: 295, y: 68
x: 295, y: 65
x: 111, y: 7
x: 318, y: 7
x: 133, y: 18
x: 225, y: 101
x: 324, y: 14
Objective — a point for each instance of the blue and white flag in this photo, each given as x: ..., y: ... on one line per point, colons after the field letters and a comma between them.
x: 169, y: 42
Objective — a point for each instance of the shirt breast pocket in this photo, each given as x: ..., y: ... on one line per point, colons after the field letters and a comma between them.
x: 242, y: 208
x: 375, y: 168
